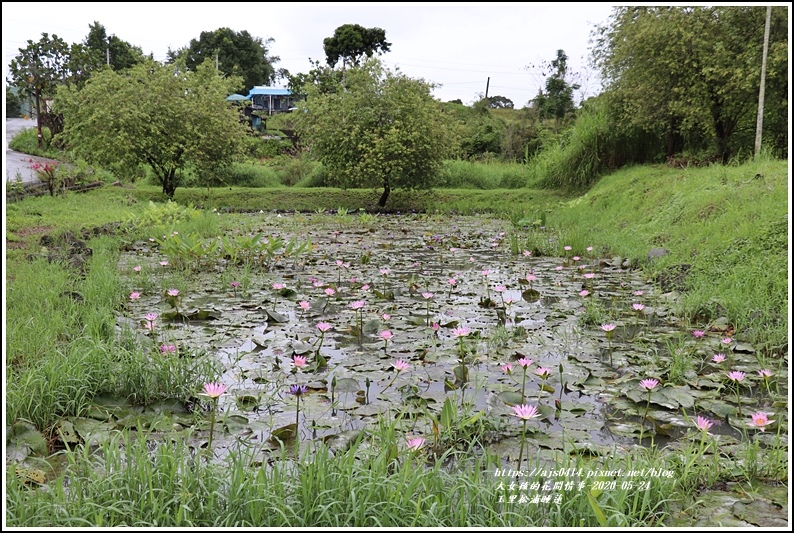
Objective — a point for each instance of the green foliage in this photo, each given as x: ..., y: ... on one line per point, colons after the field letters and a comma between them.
x: 100, y: 47
x: 162, y: 217
x: 586, y: 152
x: 153, y: 115
x: 13, y: 104
x: 384, y: 129
x: 692, y: 74
x: 239, y: 55
x: 481, y: 132
x: 557, y: 101
x: 240, y: 175
x: 26, y: 141
x: 40, y: 67
x: 351, y: 42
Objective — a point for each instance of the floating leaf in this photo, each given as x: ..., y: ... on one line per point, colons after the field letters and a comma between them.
x: 461, y: 373
x: 22, y: 440
x: 680, y: 395
x: 530, y: 295
x: 511, y: 398
x: 233, y: 422
x: 347, y: 385
x: 66, y: 432
x: 273, y: 316
x: 283, y: 434
x: 31, y: 475
x: 247, y: 402
x: 343, y: 441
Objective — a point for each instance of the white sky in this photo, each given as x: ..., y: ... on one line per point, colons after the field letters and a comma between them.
x: 458, y: 44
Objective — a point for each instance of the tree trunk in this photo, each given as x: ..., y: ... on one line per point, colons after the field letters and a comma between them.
x: 385, y: 195
x: 169, y: 183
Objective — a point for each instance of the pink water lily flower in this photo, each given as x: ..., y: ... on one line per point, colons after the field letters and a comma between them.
x: 137, y: 268
x: 525, y: 363
x: 173, y: 292
x: 304, y: 305
x: 638, y: 307
x: 400, y: 365
x: 542, y: 371
x: 698, y: 333
x: 214, y: 390
x: 507, y: 368
x: 299, y: 361
x: 386, y: 335
x: 135, y: 295
x: 427, y: 295
x: 526, y: 412
x: 461, y: 331
x: 760, y: 420
x: 718, y: 358
x: 324, y: 326
x: 736, y: 376
x: 704, y: 424
x: 415, y: 444
x: 649, y: 384
x: 358, y: 304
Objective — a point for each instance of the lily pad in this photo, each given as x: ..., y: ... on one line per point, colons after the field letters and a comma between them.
x: 22, y: 440
x: 283, y: 434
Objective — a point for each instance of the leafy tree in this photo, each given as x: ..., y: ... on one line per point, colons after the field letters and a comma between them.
x: 238, y: 54
x: 152, y: 115
x: 322, y: 78
x: 37, y: 70
x: 693, y: 72
x: 351, y: 42
x: 383, y: 129
x: 557, y: 101
x: 99, y: 45
x: 499, y: 102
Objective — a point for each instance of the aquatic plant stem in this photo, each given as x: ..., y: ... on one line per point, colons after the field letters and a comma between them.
x: 212, y: 423
x: 523, y: 439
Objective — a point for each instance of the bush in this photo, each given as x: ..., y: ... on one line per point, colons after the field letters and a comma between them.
x: 273, y: 145
x: 317, y: 177
x: 247, y: 175
x: 295, y: 169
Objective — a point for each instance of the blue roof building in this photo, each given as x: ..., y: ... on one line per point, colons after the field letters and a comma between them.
x: 271, y: 99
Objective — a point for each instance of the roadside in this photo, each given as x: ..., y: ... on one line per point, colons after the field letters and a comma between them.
x: 17, y: 164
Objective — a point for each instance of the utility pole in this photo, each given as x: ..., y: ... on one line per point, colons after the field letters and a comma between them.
x: 759, y: 121
x: 487, y: 85
x: 107, y: 55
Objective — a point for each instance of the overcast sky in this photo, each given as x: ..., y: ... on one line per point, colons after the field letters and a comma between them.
x: 458, y: 45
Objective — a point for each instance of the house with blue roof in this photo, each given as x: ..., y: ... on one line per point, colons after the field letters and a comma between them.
x: 272, y: 100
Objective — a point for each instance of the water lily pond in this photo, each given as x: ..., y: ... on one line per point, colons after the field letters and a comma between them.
x: 398, y: 316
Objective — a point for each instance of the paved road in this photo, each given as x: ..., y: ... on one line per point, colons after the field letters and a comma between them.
x: 16, y: 162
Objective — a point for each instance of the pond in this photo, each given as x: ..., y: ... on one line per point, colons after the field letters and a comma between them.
x: 421, y: 312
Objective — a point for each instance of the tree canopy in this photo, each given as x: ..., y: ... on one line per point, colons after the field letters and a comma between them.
x: 101, y: 46
x: 379, y: 129
x: 238, y: 54
x: 693, y: 73
x: 556, y: 102
x: 351, y: 42
x: 154, y: 115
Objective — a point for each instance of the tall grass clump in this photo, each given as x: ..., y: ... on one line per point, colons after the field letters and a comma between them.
x: 145, y: 481
x: 27, y: 142
x: 586, y: 152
